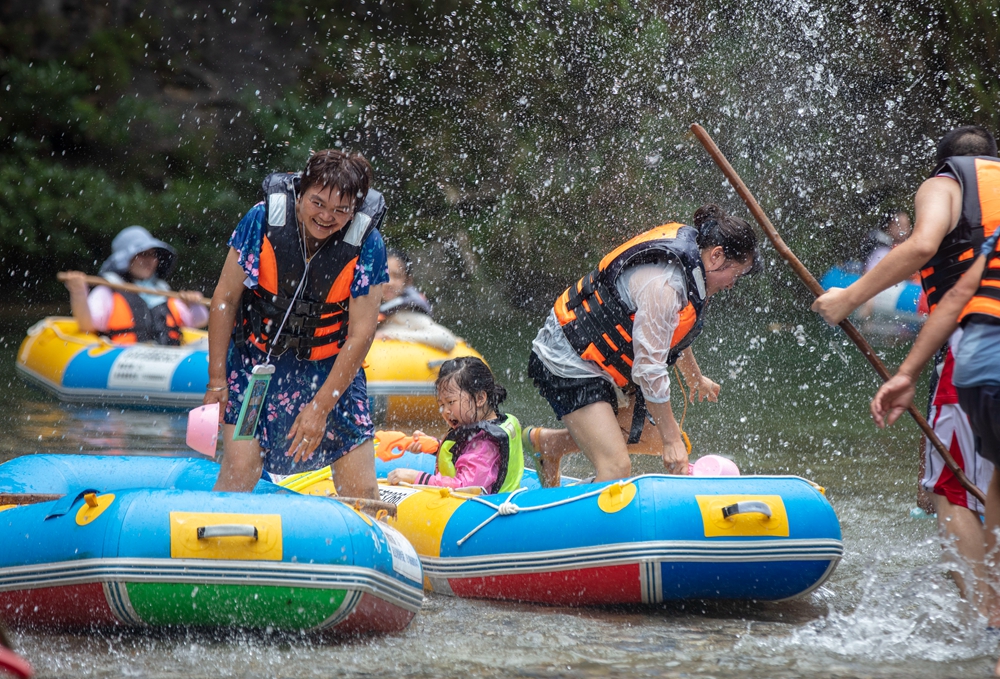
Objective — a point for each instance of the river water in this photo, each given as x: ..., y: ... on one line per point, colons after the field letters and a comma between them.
x: 794, y: 401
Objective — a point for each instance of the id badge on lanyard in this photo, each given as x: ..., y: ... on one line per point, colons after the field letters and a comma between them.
x: 253, y: 402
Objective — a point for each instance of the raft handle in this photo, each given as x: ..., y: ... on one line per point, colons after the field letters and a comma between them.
x: 748, y: 507
x: 228, y: 530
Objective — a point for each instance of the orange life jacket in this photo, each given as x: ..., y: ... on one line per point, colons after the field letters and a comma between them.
x: 984, y: 307
x: 316, y: 326
x: 133, y: 321
x: 979, y: 177
x: 598, y: 323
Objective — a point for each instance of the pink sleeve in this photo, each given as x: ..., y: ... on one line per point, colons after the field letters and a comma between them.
x: 101, y: 302
x: 479, y: 465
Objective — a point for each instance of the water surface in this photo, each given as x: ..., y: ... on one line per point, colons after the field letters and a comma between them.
x: 794, y: 402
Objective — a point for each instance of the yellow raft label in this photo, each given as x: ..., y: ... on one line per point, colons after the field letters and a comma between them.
x: 185, y: 543
x: 750, y: 524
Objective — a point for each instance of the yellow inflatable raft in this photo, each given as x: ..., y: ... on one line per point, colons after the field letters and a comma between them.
x: 82, y: 367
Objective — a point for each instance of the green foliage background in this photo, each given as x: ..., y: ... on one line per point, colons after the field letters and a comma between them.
x: 515, y: 141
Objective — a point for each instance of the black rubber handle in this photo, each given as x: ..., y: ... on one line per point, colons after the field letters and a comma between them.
x: 747, y: 507
x: 228, y: 530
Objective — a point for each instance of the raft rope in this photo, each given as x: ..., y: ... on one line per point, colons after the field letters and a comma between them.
x: 684, y: 412
x: 508, y: 508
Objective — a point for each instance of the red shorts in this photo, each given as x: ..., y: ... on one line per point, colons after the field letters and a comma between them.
x: 952, y: 426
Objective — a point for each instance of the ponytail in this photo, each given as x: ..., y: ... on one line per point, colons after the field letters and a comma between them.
x: 733, y: 234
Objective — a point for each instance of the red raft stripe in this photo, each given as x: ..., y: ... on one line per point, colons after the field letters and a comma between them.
x: 373, y: 615
x: 583, y: 587
x: 73, y: 605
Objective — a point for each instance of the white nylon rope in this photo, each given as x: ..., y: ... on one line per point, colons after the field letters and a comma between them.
x: 508, y: 508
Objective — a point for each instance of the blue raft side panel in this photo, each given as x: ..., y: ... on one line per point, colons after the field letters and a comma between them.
x: 47, y: 473
x: 86, y: 371
x: 137, y: 525
x: 664, y: 510
x: 90, y: 371
x: 191, y: 375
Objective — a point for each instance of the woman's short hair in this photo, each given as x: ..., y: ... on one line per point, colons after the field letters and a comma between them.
x: 349, y: 173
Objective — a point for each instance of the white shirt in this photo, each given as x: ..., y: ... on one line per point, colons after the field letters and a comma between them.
x: 657, y: 292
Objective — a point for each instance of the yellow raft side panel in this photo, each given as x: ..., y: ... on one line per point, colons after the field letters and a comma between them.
x: 184, y: 542
x: 716, y: 525
x: 423, y: 516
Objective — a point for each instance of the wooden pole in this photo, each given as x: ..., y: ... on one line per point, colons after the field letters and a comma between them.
x: 128, y: 287
x: 26, y: 498
x: 817, y: 290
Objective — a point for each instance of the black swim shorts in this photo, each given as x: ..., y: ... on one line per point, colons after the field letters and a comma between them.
x: 569, y: 394
x: 982, y: 405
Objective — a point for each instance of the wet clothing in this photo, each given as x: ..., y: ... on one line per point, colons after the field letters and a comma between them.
x: 293, y: 386
x: 982, y: 403
x: 952, y: 426
x: 658, y: 292
x: 487, y: 454
x: 296, y: 380
x: 598, y: 320
x: 301, y: 303
x: 953, y: 258
x: 977, y: 368
x: 569, y: 394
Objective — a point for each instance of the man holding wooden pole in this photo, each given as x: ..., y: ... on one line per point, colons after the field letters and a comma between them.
x: 949, y: 229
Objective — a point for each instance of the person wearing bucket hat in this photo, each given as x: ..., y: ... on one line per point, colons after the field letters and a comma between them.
x: 129, y: 317
x: 293, y: 317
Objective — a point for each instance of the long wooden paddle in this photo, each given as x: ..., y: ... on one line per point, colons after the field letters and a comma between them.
x: 816, y: 289
x: 128, y: 287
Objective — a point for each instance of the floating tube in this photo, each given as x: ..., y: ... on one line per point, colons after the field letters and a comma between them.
x: 899, y: 303
x: 107, y: 553
x: 81, y: 367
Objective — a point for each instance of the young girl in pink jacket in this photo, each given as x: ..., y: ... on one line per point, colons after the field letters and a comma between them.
x: 483, y: 445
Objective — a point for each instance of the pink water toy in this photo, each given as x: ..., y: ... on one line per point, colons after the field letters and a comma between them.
x: 203, y: 429
x: 713, y: 465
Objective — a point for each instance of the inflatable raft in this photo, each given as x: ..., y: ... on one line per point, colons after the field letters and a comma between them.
x: 647, y: 539
x: 110, y: 552
x: 897, y: 312
x: 82, y: 367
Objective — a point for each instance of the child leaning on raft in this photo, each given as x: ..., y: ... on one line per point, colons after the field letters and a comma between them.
x: 483, y: 445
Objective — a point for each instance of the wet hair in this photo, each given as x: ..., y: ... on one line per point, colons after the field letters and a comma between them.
x: 472, y: 376
x: 968, y: 140
x: 349, y: 173
x: 734, y: 235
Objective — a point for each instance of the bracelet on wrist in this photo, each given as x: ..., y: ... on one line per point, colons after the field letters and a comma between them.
x: 216, y: 388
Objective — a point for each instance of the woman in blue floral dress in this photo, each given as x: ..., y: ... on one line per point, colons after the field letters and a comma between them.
x: 300, y: 290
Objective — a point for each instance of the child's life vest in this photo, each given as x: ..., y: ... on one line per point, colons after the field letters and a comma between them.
x: 505, y: 431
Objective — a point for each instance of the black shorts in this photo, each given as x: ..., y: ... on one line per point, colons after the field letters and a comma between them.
x: 569, y: 394
x: 982, y: 405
